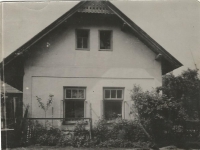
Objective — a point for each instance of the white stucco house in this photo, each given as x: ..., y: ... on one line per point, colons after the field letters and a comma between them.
x: 89, y: 59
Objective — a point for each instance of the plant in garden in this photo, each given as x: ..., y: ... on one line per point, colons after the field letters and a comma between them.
x: 48, y: 104
x: 81, y: 135
x: 127, y: 130
x: 101, y: 130
x: 157, y: 113
x: 184, y: 89
x: 43, y: 136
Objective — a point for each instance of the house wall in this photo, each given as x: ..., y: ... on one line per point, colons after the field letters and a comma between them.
x: 49, y: 68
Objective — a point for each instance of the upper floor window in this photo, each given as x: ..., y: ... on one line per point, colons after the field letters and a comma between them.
x: 82, y: 39
x: 105, y: 40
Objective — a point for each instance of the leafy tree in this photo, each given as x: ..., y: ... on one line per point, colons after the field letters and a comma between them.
x: 160, y: 115
x: 156, y: 114
x: 184, y: 89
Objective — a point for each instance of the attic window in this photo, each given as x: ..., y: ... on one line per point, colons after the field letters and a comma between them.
x: 105, y: 40
x: 82, y: 39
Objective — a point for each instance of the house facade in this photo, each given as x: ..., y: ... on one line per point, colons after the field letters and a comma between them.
x: 89, y: 59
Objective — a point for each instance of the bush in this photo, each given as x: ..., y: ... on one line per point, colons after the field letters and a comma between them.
x: 81, y: 135
x: 117, y: 143
x: 127, y: 130
x: 121, y: 133
x: 45, y: 136
x: 101, y: 131
x: 159, y: 115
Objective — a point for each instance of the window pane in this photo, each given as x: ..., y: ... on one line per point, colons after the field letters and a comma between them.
x: 107, y: 93
x: 113, y: 93
x: 85, y: 42
x: 74, y: 94
x: 68, y: 93
x: 82, y: 38
x: 113, y: 110
x: 69, y: 109
x: 79, y: 42
x: 105, y: 39
x: 81, y: 94
x: 79, y: 109
x: 119, y: 93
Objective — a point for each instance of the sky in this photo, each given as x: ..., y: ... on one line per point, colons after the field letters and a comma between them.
x: 174, y: 24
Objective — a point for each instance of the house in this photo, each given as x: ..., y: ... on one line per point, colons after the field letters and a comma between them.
x: 89, y: 59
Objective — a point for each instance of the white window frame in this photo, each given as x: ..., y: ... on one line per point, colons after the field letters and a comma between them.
x: 74, y: 88
x: 113, y: 88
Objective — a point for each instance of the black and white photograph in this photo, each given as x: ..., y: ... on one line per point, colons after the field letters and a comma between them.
x: 113, y: 74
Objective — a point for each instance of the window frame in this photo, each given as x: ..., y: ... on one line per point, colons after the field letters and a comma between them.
x: 74, y: 87
x: 113, y: 88
x: 111, y: 41
x: 76, y: 40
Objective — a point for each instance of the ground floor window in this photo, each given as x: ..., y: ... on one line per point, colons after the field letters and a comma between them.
x: 113, y: 98
x: 74, y: 102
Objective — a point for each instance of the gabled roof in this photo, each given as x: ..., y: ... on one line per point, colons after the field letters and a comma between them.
x: 167, y: 59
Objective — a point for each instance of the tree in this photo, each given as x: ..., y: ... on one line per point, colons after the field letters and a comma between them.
x: 185, y: 89
x: 162, y: 114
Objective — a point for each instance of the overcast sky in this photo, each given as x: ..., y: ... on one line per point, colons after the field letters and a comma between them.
x: 174, y: 24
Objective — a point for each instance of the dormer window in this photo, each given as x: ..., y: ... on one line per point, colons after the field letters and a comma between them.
x: 82, y: 39
x: 105, y: 40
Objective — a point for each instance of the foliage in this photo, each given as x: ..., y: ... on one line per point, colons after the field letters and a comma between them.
x: 121, y: 132
x: 157, y: 113
x: 81, y: 135
x: 184, y: 89
x: 127, y: 130
x: 161, y: 114
x: 46, y: 136
x: 117, y: 143
x: 101, y: 130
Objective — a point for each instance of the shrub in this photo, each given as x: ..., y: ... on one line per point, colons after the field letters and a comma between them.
x: 117, y: 143
x: 81, y: 135
x: 127, y: 130
x: 158, y: 114
x: 101, y: 131
x: 45, y: 136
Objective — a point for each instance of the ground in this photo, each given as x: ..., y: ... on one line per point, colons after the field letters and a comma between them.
x: 65, y: 148
x: 71, y: 148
